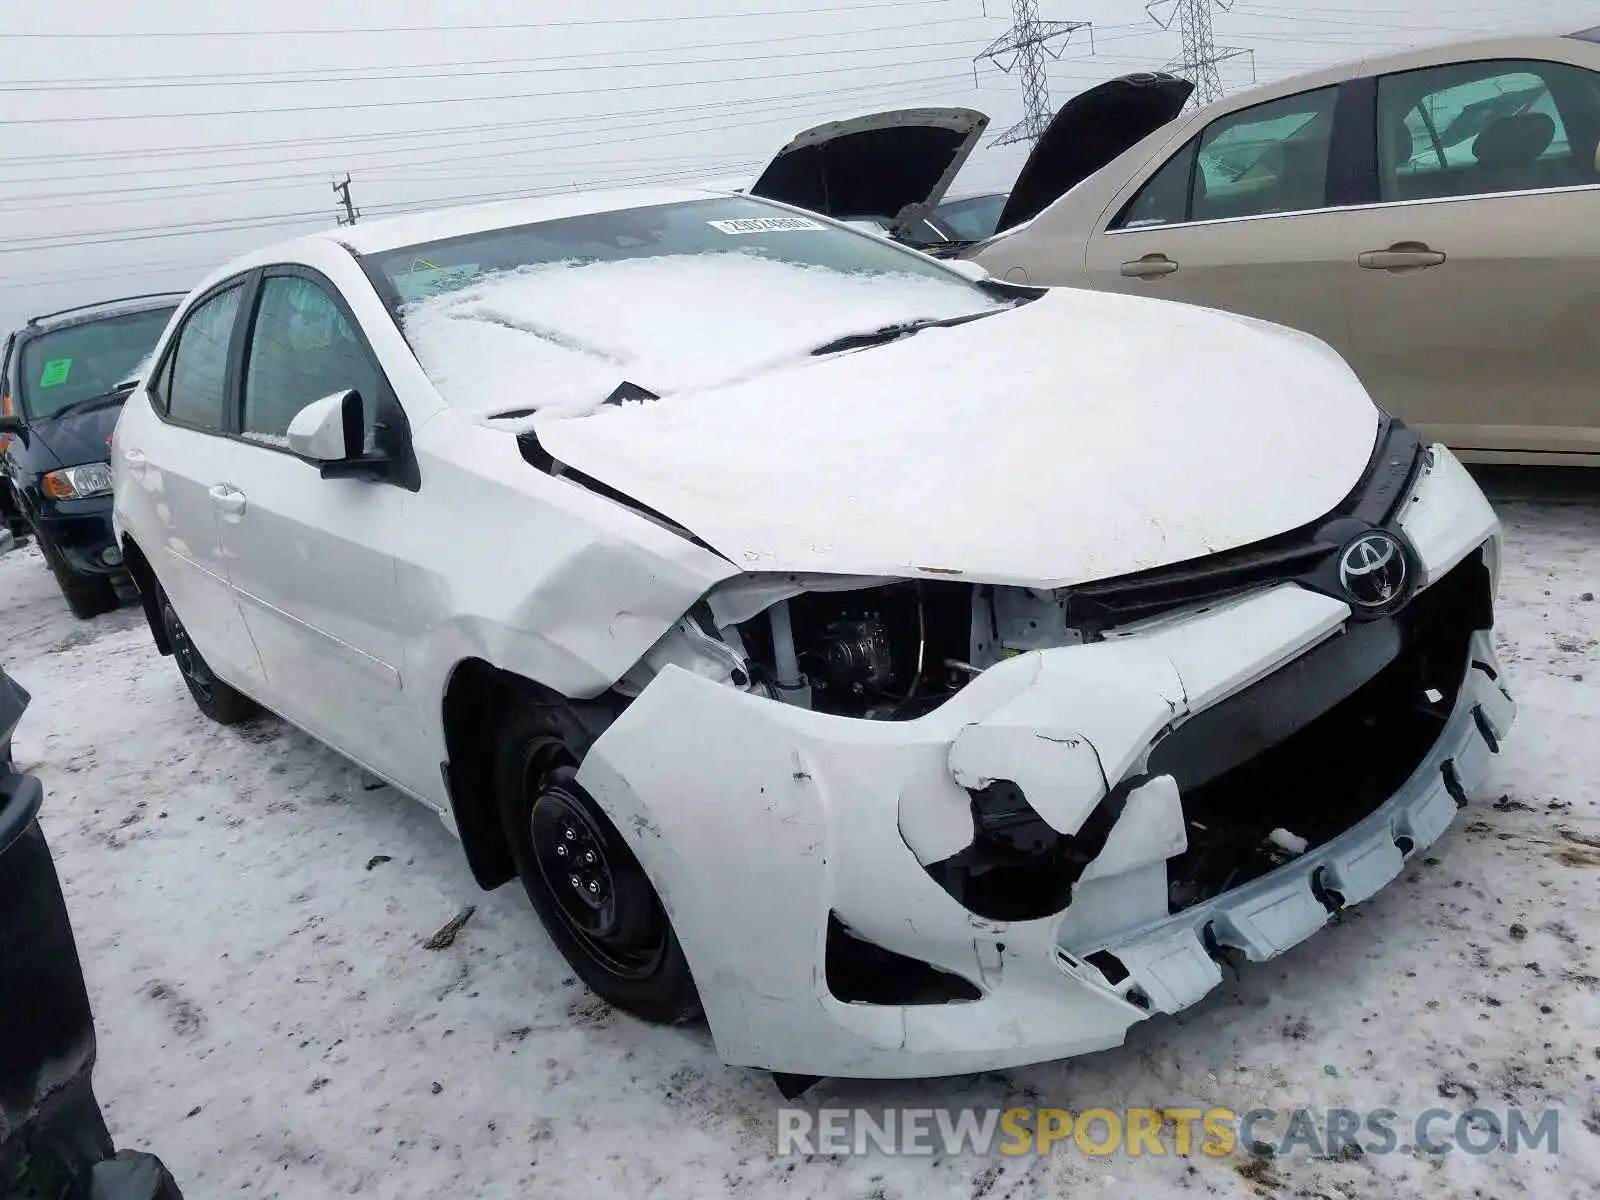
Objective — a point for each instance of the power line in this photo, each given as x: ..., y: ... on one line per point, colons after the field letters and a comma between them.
x: 806, y: 104
x: 426, y: 102
x: 278, y: 181
x: 525, y: 65
x: 1268, y: 15
x: 1520, y: 6
x: 119, y: 237
x: 437, y: 132
x: 1022, y: 48
x: 584, y: 22
x: 100, y: 237
x: 218, y: 224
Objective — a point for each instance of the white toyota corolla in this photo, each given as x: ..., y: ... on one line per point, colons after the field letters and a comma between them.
x: 917, y: 673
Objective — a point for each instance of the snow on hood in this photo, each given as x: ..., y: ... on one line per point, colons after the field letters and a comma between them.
x: 1082, y: 436
x: 561, y: 337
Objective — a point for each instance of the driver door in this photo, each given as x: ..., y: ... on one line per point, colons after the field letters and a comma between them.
x: 311, y: 559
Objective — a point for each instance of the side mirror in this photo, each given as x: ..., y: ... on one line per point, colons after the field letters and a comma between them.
x: 331, y: 433
x: 329, y: 430
x: 13, y: 424
x: 976, y: 272
x: 8, y: 542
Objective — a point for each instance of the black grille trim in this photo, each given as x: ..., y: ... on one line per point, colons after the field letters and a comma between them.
x: 1304, y: 555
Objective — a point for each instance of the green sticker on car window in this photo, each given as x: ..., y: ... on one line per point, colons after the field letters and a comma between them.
x: 55, y: 372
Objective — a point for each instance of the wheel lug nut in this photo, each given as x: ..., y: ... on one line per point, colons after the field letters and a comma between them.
x: 589, y: 857
x: 575, y: 881
x: 594, y: 887
x: 561, y: 850
x: 570, y: 835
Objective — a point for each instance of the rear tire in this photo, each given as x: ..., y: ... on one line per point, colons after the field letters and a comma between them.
x: 86, y: 596
x: 223, y: 704
x: 584, y: 882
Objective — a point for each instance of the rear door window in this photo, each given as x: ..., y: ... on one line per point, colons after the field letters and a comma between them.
x: 194, y: 385
x: 1480, y: 128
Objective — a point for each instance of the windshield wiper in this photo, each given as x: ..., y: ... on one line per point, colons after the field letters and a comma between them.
x: 891, y: 333
x: 114, y: 396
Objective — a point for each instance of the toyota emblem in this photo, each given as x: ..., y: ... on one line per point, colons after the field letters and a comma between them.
x: 1373, y: 570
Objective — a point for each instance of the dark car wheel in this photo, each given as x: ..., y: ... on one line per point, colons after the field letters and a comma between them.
x: 86, y: 595
x: 217, y: 700
x: 587, y: 887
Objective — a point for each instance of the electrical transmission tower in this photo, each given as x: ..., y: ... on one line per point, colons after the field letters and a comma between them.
x: 1022, y: 49
x: 1200, y: 54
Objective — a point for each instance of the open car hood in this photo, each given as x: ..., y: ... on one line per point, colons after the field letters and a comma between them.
x: 1082, y: 436
x: 1089, y: 131
x: 875, y: 165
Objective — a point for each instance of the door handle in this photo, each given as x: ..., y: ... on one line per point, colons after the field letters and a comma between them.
x: 229, y: 500
x: 1151, y: 266
x: 1402, y: 256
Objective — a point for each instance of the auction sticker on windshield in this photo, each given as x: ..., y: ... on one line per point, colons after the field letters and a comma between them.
x: 55, y: 372
x: 765, y: 225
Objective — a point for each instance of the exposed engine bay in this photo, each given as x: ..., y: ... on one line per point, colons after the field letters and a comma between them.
x: 891, y: 652
x: 895, y: 652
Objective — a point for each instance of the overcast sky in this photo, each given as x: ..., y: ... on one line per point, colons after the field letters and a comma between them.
x: 143, y: 144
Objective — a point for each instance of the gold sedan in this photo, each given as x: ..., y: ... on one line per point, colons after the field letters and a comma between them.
x: 1433, y: 215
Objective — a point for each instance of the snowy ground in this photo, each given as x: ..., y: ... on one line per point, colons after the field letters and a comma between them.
x: 272, y: 1025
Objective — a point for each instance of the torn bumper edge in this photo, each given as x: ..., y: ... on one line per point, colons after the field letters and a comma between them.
x: 1168, y: 963
x: 756, y: 820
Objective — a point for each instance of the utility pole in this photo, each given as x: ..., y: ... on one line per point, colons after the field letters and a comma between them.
x: 351, y: 212
x: 1200, y: 55
x: 1022, y: 49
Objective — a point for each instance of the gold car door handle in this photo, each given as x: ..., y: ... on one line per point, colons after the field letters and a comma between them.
x: 1151, y: 266
x: 1402, y: 256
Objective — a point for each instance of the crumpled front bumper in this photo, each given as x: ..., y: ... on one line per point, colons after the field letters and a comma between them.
x: 757, y: 820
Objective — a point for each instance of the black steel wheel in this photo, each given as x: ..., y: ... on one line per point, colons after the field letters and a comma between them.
x: 589, y: 890
x: 212, y: 696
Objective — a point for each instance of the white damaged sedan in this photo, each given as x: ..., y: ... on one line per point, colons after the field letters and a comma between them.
x: 914, y: 672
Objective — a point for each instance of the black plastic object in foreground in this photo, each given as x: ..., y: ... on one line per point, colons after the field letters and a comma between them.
x: 53, y: 1139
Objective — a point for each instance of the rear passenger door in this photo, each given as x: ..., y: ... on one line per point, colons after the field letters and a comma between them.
x: 1239, y: 218
x: 1475, y: 299
x: 168, y: 448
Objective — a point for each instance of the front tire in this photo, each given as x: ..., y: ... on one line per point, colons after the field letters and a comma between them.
x: 589, y: 890
x: 217, y: 700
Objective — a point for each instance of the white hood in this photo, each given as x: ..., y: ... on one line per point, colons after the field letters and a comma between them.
x: 1082, y: 436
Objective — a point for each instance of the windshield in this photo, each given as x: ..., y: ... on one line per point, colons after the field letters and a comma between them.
x: 667, y: 298
x: 733, y: 224
x: 973, y: 219
x: 80, y: 362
